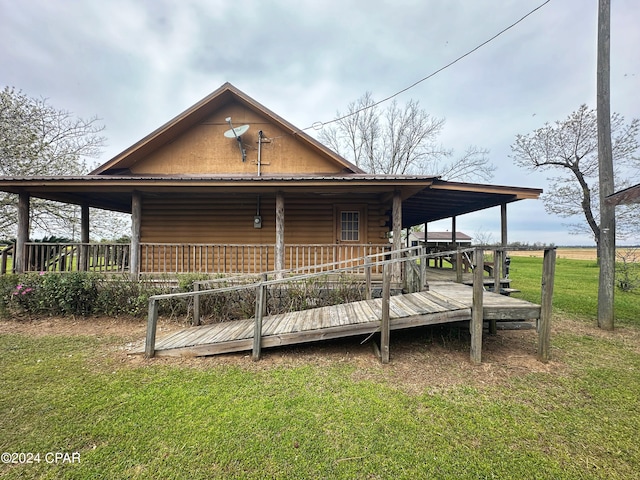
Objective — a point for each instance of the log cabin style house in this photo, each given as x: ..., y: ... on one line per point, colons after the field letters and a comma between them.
x: 228, y: 186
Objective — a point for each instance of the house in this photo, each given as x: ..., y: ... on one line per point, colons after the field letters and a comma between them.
x: 625, y: 197
x: 439, y: 239
x: 228, y: 186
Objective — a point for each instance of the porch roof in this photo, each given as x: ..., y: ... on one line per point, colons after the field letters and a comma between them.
x: 424, y: 199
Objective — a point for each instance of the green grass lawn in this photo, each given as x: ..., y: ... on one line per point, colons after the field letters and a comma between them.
x: 575, y: 289
x: 577, y: 417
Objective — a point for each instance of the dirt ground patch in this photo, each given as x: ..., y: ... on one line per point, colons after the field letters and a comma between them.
x: 426, y: 359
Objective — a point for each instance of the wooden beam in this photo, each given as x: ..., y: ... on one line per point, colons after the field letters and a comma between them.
x: 196, y: 305
x: 454, y: 226
x: 279, y: 247
x: 497, y: 277
x: 136, y: 222
x: 83, y: 263
x: 477, y: 316
x: 544, y: 327
x: 397, y: 233
x: 367, y: 277
x: 503, y: 225
x: 504, y: 240
x: 384, y: 323
x: 261, y: 303
x: 152, y: 323
x: 20, y: 257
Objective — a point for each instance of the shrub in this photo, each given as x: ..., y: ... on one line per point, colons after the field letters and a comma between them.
x: 86, y: 293
x: 76, y: 293
x: 628, y: 269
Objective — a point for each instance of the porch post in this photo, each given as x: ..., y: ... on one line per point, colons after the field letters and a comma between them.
x: 503, y: 224
x: 19, y: 259
x: 454, y: 241
x: 426, y: 250
x: 503, y: 236
x: 477, y: 308
x: 136, y: 220
x: 453, y: 232
x: 84, y: 237
x: 279, y: 248
x: 397, y: 233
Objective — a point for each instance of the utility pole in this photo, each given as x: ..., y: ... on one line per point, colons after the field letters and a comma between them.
x: 606, y: 284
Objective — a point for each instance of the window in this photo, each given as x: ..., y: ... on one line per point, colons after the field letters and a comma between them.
x: 350, y: 226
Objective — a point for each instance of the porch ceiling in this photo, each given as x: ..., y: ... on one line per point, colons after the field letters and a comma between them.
x: 424, y: 199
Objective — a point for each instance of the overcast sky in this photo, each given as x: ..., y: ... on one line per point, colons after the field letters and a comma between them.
x: 137, y: 64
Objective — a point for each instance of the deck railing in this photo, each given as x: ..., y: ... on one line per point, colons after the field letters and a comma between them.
x: 414, y: 256
x: 165, y: 258
x: 171, y: 258
x: 73, y: 257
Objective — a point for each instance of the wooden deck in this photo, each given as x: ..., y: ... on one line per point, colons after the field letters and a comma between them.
x: 444, y: 302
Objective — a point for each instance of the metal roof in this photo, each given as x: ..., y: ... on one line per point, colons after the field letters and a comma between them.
x: 424, y: 199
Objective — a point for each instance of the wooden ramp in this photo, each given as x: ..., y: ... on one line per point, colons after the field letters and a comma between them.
x: 445, y: 302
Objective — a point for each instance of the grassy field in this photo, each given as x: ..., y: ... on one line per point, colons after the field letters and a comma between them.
x: 576, y: 288
x: 573, y: 253
x: 331, y: 410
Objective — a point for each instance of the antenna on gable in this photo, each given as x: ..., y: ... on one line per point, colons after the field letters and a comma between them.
x: 236, y: 133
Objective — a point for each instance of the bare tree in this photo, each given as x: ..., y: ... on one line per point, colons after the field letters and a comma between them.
x: 400, y: 140
x: 570, y: 147
x: 37, y: 139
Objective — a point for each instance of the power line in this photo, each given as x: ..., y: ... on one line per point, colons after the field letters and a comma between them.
x: 322, y: 124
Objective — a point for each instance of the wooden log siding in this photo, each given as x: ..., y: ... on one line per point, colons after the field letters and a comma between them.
x: 226, y: 222
x: 200, y: 150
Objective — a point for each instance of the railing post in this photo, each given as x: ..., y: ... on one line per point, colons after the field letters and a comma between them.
x: 497, y: 278
x: 261, y: 298
x: 544, y: 326
x: 152, y: 322
x: 423, y: 268
x: 367, y: 277
x: 196, y: 304
x: 496, y: 270
x: 477, y: 314
x: 136, y: 222
x: 458, y: 267
x: 384, y: 324
x: 3, y: 260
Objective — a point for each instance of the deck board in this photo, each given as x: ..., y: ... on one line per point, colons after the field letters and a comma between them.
x: 444, y: 302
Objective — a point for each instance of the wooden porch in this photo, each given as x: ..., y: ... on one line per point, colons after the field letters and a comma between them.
x: 424, y: 302
x: 444, y: 302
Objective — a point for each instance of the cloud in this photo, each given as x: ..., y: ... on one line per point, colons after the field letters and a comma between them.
x: 136, y: 64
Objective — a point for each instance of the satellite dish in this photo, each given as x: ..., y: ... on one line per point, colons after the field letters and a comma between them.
x: 236, y: 132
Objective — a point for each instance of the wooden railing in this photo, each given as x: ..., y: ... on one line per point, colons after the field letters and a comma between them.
x: 7, y: 250
x: 72, y: 257
x: 166, y: 258
x: 415, y: 256
x: 171, y: 259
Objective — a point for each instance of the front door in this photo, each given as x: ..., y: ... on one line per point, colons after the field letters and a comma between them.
x: 350, y: 232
